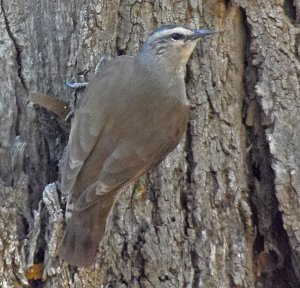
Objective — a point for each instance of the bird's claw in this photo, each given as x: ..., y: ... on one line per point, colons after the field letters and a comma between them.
x: 76, y: 85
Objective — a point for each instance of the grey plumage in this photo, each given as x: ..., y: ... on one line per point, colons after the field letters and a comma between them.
x: 132, y: 115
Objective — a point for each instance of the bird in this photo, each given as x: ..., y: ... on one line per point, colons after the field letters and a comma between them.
x: 132, y: 114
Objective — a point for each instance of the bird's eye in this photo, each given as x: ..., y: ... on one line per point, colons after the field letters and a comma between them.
x: 177, y: 36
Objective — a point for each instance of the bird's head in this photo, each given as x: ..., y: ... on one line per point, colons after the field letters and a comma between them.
x: 173, y: 43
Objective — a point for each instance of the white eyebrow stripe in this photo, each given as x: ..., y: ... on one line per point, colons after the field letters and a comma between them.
x: 167, y: 32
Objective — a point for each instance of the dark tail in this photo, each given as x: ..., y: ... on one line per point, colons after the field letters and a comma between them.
x: 84, y: 232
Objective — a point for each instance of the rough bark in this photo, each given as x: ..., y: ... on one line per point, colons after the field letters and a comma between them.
x: 222, y: 210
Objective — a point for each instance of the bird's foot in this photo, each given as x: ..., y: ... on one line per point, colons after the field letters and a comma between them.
x: 76, y: 85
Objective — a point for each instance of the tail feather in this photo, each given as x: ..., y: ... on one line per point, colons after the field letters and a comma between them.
x: 84, y: 232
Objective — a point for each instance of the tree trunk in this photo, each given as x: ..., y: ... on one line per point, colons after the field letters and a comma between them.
x: 222, y: 210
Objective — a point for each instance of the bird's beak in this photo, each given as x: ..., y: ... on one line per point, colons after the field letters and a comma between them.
x: 198, y: 33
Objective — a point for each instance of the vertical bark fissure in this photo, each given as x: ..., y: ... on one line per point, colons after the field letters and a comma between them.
x: 271, y: 251
x: 272, y: 255
x: 189, y: 156
x: 19, y: 67
x: 186, y: 198
x: 290, y: 10
x: 16, y: 45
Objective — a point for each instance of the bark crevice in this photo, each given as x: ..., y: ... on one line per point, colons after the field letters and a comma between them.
x: 272, y: 256
x: 16, y: 45
x: 290, y: 10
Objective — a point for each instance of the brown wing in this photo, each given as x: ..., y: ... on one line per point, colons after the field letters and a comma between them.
x: 90, y: 120
x: 130, y: 146
x: 126, y: 163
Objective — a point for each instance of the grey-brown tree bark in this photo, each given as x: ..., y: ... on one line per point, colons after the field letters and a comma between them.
x: 222, y: 210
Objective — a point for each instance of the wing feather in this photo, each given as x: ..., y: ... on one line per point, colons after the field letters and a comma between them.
x: 89, y: 121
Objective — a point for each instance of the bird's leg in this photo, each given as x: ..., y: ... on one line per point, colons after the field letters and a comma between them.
x: 76, y: 85
x: 82, y: 85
